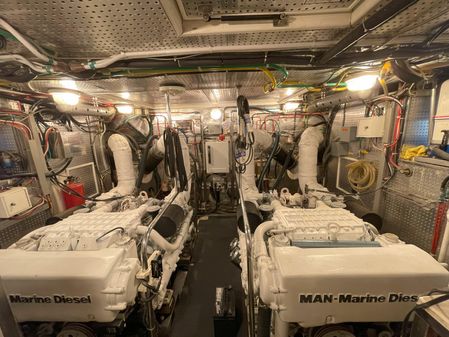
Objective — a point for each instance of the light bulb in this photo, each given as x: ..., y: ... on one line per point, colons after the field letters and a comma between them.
x: 69, y: 84
x: 125, y: 109
x: 215, y: 114
x: 290, y: 106
x: 361, y: 83
x: 65, y: 98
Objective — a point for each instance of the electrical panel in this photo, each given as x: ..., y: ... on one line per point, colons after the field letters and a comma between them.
x: 346, y: 134
x: 14, y: 201
x: 213, y: 129
x: 217, y: 156
x: 371, y: 127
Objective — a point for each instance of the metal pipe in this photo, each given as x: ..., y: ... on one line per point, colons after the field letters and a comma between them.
x: 168, y: 109
x: 385, y: 14
x: 330, y: 101
x: 432, y: 112
x: 232, y: 111
x: 249, y: 261
x: 144, y: 245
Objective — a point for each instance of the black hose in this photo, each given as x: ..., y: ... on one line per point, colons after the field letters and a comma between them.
x: 436, y: 33
x: 18, y: 175
x: 53, y: 173
x: 287, y: 162
x: 174, y: 160
x: 169, y: 159
x: 182, y: 175
x: 143, y: 159
x: 274, y: 148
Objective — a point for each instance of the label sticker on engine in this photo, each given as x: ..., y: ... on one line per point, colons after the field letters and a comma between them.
x: 351, y: 298
x: 53, y: 299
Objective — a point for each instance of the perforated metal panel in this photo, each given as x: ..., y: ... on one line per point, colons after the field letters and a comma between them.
x: 92, y: 29
x: 87, y: 175
x: 95, y: 29
x: 409, y: 208
x: 7, y: 138
x: 417, y: 128
x: 12, y: 230
x: 409, y: 220
x: 11, y: 141
x: 197, y: 8
x: 412, y: 21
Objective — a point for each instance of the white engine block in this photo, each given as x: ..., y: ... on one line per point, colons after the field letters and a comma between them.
x: 325, y: 266
x: 324, y: 223
x: 73, y: 270
x: 81, y: 269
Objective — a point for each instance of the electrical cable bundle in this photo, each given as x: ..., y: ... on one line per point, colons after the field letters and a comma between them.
x: 72, y: 192
x: 245, y: 141
x: 444, y: 296
x: 174, y: 160
x: 362, y: 175
x: 274, y: 149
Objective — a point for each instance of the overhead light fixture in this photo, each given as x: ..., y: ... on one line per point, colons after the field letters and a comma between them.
x: 125, y: 95
x: 361, y: 83
x: 125, y: 109
x: 290, y: 106
x: 215, y: 114
x: 69, y: 84
x: 63, y: 97
x: 290, y: 91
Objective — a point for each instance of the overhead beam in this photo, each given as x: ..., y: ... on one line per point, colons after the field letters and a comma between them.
x: 332, y: 18
x: 361, y: 30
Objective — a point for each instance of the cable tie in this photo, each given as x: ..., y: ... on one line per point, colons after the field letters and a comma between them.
x: 91, y: 65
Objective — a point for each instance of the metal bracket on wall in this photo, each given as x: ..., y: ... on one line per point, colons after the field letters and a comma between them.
x: 39, y: 164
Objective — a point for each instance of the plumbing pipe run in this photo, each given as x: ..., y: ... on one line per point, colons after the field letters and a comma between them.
x: 328, y: 102
x: 172, y: 252
x: 162, y: 243
x: 308, y: 154
x: 123, y: 160
x: 126, y: 176
x: 265, y: 141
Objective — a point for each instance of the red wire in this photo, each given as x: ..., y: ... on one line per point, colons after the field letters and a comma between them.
x: 441, y: 210
x: 20, y: 126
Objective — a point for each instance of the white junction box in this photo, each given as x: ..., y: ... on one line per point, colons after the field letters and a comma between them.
x: 217, y: 156
x: 371, y: 127
x: 14, y: 201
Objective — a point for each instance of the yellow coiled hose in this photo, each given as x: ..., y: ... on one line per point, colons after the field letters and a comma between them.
x: 362, y: 175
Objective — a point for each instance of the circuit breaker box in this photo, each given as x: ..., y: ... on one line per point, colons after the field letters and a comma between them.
x: 217, y: 156
x: 371, y: 127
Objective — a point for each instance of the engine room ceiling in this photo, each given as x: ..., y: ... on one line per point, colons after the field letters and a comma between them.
x: 98, y: 28
x: 202, y: 90
x: 179, y: 30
